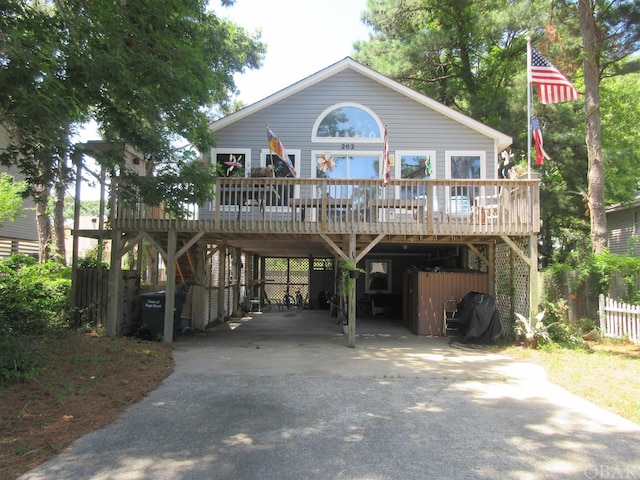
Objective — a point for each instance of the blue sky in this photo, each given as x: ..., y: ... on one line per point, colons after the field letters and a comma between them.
x: 302, y: 37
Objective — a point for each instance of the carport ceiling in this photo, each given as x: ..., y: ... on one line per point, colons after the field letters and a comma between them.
x: 306, y: 248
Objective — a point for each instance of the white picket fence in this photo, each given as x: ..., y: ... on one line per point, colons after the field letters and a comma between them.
x: 619, y: 319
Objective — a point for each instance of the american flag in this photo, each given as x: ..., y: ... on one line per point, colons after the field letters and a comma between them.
x: 553, y: 86
x: 541, y: 155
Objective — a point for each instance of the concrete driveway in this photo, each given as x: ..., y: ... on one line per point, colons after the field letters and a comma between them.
x: 281, y: 396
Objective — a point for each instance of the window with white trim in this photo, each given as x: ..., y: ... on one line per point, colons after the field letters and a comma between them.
x: 471, y: 165
x: 233, y: 162
x: 414, y: 165
x: 347, y: 122
x: 378, y: 276
x: 273, y: 162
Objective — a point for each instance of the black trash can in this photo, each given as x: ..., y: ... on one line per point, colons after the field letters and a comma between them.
x: 153, y: 308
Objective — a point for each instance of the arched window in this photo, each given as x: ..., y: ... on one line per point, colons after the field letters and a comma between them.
x: 348, y: 121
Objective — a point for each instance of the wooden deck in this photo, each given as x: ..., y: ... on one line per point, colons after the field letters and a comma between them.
x: 425, y: 208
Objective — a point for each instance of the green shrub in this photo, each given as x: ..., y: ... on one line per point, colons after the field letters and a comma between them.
x: 34, y: 297
x: 598, y: 271
x: 570, y: 334
x: 15, y: 365
x: 555, y: 311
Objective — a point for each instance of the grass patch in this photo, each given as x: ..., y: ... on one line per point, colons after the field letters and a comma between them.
x: 78, y: 383
x: 607, y: 373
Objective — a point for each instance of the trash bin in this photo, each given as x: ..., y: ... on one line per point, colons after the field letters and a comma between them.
x: 153, y: 308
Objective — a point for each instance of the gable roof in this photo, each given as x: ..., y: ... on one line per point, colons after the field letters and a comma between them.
x: 502, y: 141
x: 633, y: 203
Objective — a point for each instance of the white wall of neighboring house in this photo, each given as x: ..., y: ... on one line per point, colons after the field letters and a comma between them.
x: 86, y: 245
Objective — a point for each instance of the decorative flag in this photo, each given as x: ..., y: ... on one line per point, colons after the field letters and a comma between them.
x: 553, y: 86
x: 275, y: 145
x: 385, y: 157
x: 541, y: 155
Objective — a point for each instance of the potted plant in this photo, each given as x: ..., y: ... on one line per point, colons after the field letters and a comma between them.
x: 350, y: 272
x: 261, y: 172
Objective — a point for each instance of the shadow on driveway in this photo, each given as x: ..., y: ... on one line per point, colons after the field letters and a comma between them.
x: 280, y: 396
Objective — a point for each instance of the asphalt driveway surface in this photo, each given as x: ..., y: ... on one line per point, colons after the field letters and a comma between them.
x: 281, y: 396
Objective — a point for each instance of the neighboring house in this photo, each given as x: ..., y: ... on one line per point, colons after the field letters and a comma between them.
x: 443, y: 210
x: 86, y: 245
x: 21, y: 235
x: 623, y: 226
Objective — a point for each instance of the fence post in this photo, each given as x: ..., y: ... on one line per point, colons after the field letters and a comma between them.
x: 601, y: 314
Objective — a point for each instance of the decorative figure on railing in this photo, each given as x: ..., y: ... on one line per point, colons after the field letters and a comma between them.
x: 427, y: 167
x: 505, y: 164
x: 326, y: 162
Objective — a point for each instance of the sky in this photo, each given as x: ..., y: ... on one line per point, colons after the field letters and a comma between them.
x: 302, y: 37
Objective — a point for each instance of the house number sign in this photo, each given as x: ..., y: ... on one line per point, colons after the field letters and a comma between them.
x: 348, y: 146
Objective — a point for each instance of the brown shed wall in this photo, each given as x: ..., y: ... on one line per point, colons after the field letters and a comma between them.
x: 426, y: 292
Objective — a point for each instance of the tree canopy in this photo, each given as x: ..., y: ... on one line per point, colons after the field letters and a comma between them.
x: 10, y: 198
x: 471, y: 56
x: 147, y: 72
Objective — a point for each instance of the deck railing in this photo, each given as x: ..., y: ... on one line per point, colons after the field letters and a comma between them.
x: 423, y: 207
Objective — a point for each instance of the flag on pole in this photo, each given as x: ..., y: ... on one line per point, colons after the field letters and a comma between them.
x: 541, y: 155
x: 553, y: 86
x: 275, y: 145
x: 385, y: 157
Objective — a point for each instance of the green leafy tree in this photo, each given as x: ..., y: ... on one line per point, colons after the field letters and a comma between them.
x: 10, y: 198
x: 466, y: 54
x: 149, y: 73
x: 620, y: 112
x: 610, y: 34
x: 469, y: 55
x: 87, y: 207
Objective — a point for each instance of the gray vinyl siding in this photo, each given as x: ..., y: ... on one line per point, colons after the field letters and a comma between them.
x: 412, y: 126
x: 24, y: 227
x: 620, y: 226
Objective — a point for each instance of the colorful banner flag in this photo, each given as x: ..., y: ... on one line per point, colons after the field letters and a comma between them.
x: 275, y: 145
x: 541, y: 155
x: 385, y: 157
x: 553, y: 86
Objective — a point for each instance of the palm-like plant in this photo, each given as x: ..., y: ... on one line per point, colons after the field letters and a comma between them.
x: 532, y: 332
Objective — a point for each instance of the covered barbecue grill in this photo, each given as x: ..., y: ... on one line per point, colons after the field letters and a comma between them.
x: 477, y: 319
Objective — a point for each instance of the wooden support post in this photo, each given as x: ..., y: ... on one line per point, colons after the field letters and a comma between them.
x: 534, y: 281
x: 237, y: 276
x: 222, y: 280
x: 512, y: 282
x: 115, y: 275
x: 74, y: 253
x: 115, y: 272
x: 491, y: 268
x: 352, y: 295
x: 170, y: 291
x: 198, y: 290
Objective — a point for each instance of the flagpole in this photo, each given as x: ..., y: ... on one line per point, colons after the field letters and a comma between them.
x: 273, y: 169
x: 529, y: 108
